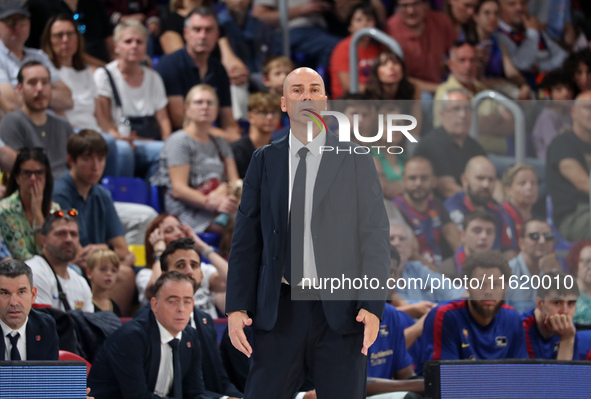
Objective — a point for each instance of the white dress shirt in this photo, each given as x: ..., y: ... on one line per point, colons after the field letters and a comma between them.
x: 165, y: 369
x: 21, y: 344
x: 312, y: 165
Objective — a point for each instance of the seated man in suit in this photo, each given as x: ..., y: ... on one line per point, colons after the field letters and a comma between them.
x: 157, y: 354
x: 27, y: 334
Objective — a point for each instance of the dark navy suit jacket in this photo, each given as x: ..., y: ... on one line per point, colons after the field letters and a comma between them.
x: 126, y: 366
x: 349, y: 227
x: 42, y: 339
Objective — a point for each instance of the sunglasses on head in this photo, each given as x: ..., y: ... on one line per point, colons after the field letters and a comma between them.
x: 64, y: 213
x: 548, y: 236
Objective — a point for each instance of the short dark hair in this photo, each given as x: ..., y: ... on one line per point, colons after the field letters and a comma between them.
x: 19, y: 77
x: 52, y: 218
x: 173, y: 276
x: 202, y: 11
x: 558, y: 78
x: 180, y: 244
x: 366, y: 9
x: 12, y: 268
x: 486, y: 260
x: 478, y: 215
x: 534, y: 219
x: 557, y: 286
x: 87, y: 141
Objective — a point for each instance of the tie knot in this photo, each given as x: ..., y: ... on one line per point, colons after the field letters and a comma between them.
x: 303, y: 152
x: 174, y: 343
x: 13, y: 338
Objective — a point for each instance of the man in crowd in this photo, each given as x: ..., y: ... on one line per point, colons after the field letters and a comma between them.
x: 536, y: 257
x: 428, y: 217
x: 192, y: 65
x: 449, y: 147
x: 157, y: 354
x: 549, y: 329
x: 567, y: 173
x: 57, y: 284
x: 478, y: 183
x: 15, y: 27
x: 32, y: 125
x: 26, y: 333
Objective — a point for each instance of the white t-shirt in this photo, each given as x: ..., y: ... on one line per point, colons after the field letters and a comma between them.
x: 76, y: 288
x: 136, y: 101
x: 84, y: 94
x: 203, y: 298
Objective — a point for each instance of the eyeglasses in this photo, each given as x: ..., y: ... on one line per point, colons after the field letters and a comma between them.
x: 73, y: 213
x: 201, y: 103
x: 548, y: 236
x: 59, y: 35
x: 27, y: 174
x: 456, y: 109
x: 267, y: 113
x: 11, y: 22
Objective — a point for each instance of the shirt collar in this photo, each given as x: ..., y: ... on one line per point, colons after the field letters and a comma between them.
x: 165, y: 336
x: 7, y: 330
x: 314, y: 146
x: 505, y: 26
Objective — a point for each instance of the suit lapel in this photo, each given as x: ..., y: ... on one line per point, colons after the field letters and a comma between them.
x: 2, y: 346
x: 327, y: 171
x: 34, y: 337
x: 154, y: 336
x: 277, y: 169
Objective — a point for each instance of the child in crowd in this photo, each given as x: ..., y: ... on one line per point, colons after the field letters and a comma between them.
x: 275, y: 69
x: 102, y: 268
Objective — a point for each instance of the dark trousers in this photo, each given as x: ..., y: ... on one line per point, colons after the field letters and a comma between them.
x: 302, y: 343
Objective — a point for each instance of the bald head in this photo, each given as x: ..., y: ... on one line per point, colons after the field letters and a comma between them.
x: 478, y: 180
x: 296, y: 76
x: 479, y: 163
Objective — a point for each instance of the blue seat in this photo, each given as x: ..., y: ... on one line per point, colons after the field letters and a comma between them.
x: 131, y: 189
x: 561, y: 246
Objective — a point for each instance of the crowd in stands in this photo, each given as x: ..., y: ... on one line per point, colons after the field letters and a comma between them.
x: 182, y: 93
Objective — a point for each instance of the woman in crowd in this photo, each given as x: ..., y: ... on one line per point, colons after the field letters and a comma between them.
x: 27, y: 203
x: 198, y: 169
x: 388, y: 79
x: 520, y: 183
x: 165, y: 229
x: 62, y: 42
x: 461, y: 13
x: 132, y: 99
x: 578, y: 67
x: 102, y: 268
x: 578, y: 263
x: 495, y: 66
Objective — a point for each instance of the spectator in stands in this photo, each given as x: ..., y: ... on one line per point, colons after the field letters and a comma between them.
x: 264, y: 112
x: 57, y: 284
x: 194, y: 64
x: 194, y: 166
x: 136, y: 359
x: 567, y: 173
x: 102, y: 269
x: 33, y: 126
x: 579, y: 266
x: 520, y: 183
x: 388, y: 79
x: 413, y: 270
x: 389, y: 365
x: 275, y: 70
x: 536, y: 258
x: 100, y: 225
x: 494, y: 125
x: 62, y: 42
x: 362, y: 16
x: 549, y: 329
x: 478, y: 182
x: 481, y: 327
x: 91, y: 18
x: 525, y: 41
x: 578, y: 67
x: 18, y: 322
x: 496, y: 70
x: 461, y: 13
x: 27, y: 203
x: 426, y: 37
x: 15, y: 27
x: 161, y: 232
x: 555, y: 17
x: 428, y: 217
x: 555, y: 118
x: 128, y: 92
x: 308, y: 30
x: 449, y: 147
x: 478, y: 235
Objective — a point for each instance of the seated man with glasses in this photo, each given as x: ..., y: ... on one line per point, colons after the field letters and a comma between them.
x: 57, y: 284
x: 264, y: 112
x: 536, y: 257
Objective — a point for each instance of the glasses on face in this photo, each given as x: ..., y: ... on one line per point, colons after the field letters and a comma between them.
x: 456, y: 109
x: 27, y: 174
x: 11, y: 22
x: 267, y: 113
x: 59, y: 35
x: 548, y: 236
x: 73, y: 213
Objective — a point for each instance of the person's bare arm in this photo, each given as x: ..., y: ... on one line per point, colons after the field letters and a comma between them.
x: 103, y: 116
x: 236, y: 69
x: 93, y: 61
x: 452, y: 235
x: 412, y: 333
x: 574, y: 173
x: 423, y: 85
x: 61, y: 97
x: 390, y: 188
x: 179, y: 179
x: 164, y: 123
x: 110, y: 46
x: 377, y: 386
x: 120, y: 248
x: 176, y: 111
x: 447, y: 186
x: 10, y: 97
x: 7, y: 158
x: 171, y: 41
x: 344, y: 80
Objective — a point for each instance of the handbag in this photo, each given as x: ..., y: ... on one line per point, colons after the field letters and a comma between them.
x: 144, y: 126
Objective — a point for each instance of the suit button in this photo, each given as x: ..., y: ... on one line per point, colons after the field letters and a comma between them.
x: 275, y: 258
x: 275, y: 232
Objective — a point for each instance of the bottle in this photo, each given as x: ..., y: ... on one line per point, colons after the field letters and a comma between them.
x: 124, y: 127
